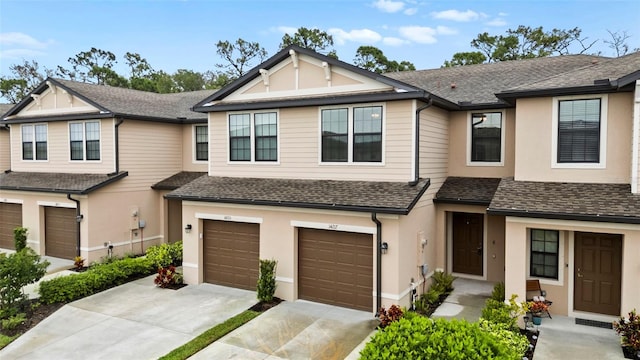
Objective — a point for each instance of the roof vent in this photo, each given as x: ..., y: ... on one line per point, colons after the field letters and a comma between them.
x: 594, y: 61
x: 453, y: 85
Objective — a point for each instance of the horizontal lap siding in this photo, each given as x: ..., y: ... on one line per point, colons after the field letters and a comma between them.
x: 300, y: 147
x: 150, y: 152
x: 434, y: 147
x: 5, y: 150
x: 58, y: 153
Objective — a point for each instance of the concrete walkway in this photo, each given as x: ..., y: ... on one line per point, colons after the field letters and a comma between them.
x: 560, y: 337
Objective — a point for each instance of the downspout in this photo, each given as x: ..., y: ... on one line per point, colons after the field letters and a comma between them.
x: 117, y: 142
x: 374, y: 218
x: 78, y: 219
x: 416, y: 175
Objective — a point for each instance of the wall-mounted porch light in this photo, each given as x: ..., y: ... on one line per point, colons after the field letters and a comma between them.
x: 187, y: 228
x: 384, y: 247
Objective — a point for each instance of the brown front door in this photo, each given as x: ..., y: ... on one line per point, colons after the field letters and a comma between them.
x: 231, y: 253
x: 597, y: 273
x: 10, y: 218
x: 468, y: 230
x: 336, y: 268
x: 60, y: 232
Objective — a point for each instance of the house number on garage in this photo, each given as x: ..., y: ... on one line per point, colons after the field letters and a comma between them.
x: 333, y: 227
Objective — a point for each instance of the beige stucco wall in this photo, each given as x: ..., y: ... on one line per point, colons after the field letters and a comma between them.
x: 5, y: 150
x: 460, y: 147
x: 58, y: 153
x: 299, y: 149
x: 534, y: 143
x: 561, y: 291
x: 493, y: 239
x: 278, y: 232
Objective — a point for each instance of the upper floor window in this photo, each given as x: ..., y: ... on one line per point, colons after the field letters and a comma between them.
x: 202, y: 142
x: 579, y: 131
x: 355, y: 138
x: 84, y: 140
x: 34, y: 142
x: 544, y: 253
x: 253, y: 137
x: 486, y: 137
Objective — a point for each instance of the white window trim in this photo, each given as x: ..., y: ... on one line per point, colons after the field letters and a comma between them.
x: 33, y: 127
x: 253, y: 138
x: 195, y: 144
x: 350, y: 135
x: 602, y: 164
x: 561, y: 262
x: 502, y: 139
x: 84, y: 142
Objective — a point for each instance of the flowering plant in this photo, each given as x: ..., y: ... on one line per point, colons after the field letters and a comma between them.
x: 537, y: 307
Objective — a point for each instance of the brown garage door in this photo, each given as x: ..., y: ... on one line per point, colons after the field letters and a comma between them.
x: 60, y: 232
x: 231, y: 252
x: 10, y: 218
x: 336, y: 268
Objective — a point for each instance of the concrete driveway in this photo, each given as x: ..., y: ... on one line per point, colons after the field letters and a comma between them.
x: 132, y: 321
x: 296, y: 330
x: 139, y: 321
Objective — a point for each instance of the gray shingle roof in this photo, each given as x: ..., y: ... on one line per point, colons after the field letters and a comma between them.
x: 369, y: 196
x: 478, y: 83
x: 603, y: 69
x: 177, y: 180
x: 467, y: 190
x: 4, y: 108
x: 140, y: 103
x: 56, y: 182
x: 576, y: 201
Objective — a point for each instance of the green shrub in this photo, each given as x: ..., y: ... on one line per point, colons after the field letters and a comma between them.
x: 20, y: 237
x: 12, y: 322
x: 442, y: 282
x: 17, y: 270
x: 423, y: 338
x: 164, y: 255
x: 510, y: 337
x: 95, y: 279
x: 502, y: 313
x: 267, y: 280
x: 432, y: 296
x: 498, y: 292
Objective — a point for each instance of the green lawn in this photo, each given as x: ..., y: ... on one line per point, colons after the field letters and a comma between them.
x: 206, y: 338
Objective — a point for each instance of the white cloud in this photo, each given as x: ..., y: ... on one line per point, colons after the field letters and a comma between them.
x: 285, y: 29
x: 497, y: 22
x: 394, y: 41
x: 358, y: 35
x: 411, y: 11
x: 455, y: 15
x: 502, y: 14
x: 22, y: 40
x: 20, y: 53
x: 419, y: 34
x: 445, y: 30
x: 388, y: 6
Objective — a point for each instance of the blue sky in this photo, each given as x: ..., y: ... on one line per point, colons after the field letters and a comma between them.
x: 174, y: 34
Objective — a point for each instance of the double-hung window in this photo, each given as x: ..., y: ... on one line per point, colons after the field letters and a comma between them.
x: 34, y: 142
x: 544, y: 259
x: 84, y: 140
x: 253, y: 137
x: 202, y: 142
x: 486, y: 137
x: 351, y: 134
x: 579, y: 131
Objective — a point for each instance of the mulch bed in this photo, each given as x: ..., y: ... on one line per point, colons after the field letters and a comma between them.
x: 431, y: 308
x: 263, y: 306
x: 35, y: 314
x: 533, y: 340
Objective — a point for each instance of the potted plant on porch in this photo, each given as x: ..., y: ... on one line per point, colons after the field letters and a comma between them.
x: 537, y: 309
x: 629, y: 329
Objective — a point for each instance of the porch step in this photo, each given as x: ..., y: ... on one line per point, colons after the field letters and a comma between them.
x: 594, y: 323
